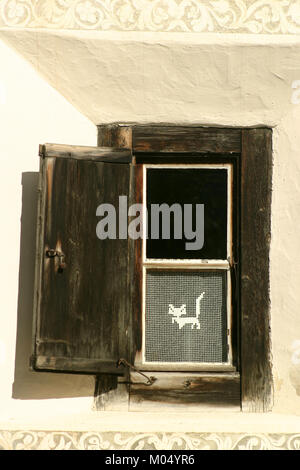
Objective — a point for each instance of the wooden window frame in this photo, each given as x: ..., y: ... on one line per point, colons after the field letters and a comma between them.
x: 190, y: 264
x: 251, y: 149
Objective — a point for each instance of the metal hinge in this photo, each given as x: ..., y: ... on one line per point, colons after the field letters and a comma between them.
x: 234, y: 273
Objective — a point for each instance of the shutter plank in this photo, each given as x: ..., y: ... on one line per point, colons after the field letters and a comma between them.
x: 99, y: 154
x: 82, y: 312
x: 74, y: 364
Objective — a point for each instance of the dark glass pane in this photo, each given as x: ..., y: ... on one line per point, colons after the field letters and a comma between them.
x: 189, y: 186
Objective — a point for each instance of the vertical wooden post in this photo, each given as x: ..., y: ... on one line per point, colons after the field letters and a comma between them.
x: 109, y: 394
x: 115, y: 135
x: 256, y: 376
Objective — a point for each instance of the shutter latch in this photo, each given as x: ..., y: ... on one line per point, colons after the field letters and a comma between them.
x: 123, y: 362
x: 61, y: 258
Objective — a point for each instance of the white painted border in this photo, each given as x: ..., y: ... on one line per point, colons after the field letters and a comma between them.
x: 191, y: 264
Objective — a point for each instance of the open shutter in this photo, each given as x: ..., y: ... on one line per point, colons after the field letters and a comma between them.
x: 81, y: 294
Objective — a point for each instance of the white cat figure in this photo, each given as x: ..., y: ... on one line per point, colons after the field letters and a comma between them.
x: 177, y: 313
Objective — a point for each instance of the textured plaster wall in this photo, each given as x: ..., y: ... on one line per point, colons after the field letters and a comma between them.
x: 76, y: 80
x: 285, y: 257
x: 160, y: 77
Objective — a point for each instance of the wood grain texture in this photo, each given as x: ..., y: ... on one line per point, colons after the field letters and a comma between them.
x: 39, y: 256
x: 223, y: 389
x: 255, y: 244
x: 109, y: 395
x: 82, y: 312
x: 115, y: 135
x: 186, y: 139
x: 137, y: 271
x: 97, y: 154
x: 104, y: 384
x: 75, y: 364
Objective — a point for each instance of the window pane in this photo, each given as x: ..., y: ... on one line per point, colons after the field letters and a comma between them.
x: 186, y: 316
x: 206, y: 186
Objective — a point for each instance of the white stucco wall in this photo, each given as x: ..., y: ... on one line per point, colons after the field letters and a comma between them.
x: 139, y: 77
x: 31, y: 112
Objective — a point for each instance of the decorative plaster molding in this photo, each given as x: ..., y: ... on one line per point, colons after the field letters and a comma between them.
x: 226, y: 16
x: 69, y: 440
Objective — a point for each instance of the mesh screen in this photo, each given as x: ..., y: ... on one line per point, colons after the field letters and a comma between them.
x: 185, y: 316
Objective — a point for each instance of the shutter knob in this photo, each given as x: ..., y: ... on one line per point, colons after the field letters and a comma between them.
x: 61, y: 258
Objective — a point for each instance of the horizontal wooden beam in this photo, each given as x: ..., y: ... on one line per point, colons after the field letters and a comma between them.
x: 186, y: 139
x: 188, y: 388
x: 98, y: 154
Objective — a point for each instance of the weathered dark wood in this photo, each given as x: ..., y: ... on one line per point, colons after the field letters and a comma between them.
x: 105, y: 383
x: 185, y: 158
x: 222, y: 389
x: 115, y: 135
x: 97, y: 154
x: 82, y: 312
x: 186, y: 139
x: 40, y: 227
x: 75, y: 364
x: 110, y: 393
x: 119, y: 136
x: 255, y: 243
x: 136, y: 271
x: 235, y: 262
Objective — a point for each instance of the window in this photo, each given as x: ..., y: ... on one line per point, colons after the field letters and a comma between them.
x: 196, y: 319
x: 186, y: 284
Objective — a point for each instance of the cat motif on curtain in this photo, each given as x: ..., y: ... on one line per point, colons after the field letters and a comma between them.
x: 178, y: 312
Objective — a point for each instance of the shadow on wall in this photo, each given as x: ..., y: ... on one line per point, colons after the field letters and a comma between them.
x: 29, y: 385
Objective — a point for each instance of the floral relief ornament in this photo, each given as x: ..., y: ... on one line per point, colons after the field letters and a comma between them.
x: 69, y: 440
x: 226, y: 16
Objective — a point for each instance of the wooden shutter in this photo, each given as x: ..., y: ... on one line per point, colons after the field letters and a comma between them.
x: 81, y: 295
